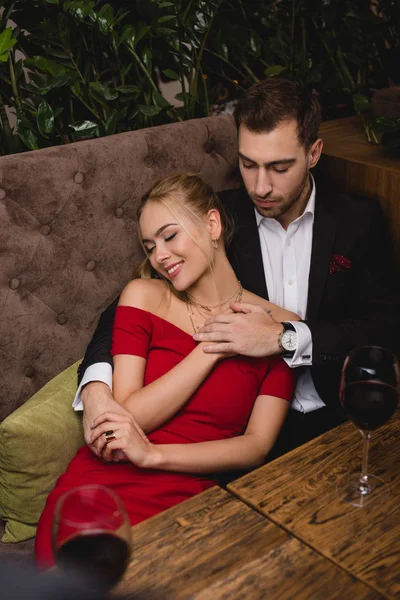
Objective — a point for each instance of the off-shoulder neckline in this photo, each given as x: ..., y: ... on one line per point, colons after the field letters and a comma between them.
x: 159, y: 318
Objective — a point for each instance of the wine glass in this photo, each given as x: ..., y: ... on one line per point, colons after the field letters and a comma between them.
x: 91, y: 535
x: 369, y: 392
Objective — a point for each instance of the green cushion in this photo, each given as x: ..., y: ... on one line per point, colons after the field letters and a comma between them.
x: 37, y: 441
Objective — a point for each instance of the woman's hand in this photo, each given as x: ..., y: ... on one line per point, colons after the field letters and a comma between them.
x: 129, y: 439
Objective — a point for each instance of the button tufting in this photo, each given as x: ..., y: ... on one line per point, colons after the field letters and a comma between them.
x: 14, y: 284
x: 78, y: 177
x: 90, y: 265
x: 148, y: 162
x: 29, y: 371
x: 208, y: 147
x: 118, y: 212
x: 2, y: 194
x: 61, y: 319
x: 45, y: 229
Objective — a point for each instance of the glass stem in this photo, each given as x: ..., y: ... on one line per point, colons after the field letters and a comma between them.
x: 364, y: 486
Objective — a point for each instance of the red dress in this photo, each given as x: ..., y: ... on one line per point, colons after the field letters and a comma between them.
x: 219, y: 409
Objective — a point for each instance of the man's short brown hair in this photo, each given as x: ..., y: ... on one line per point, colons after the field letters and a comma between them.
x: 273, y: 101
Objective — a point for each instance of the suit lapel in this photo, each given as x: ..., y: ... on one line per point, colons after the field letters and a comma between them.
x: 245, y: 250
x: 324, y: 231
x: 246, y: 257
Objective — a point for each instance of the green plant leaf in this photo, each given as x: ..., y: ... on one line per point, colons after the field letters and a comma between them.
x: 183, y: 97
x: 110, y: 126
x: 128, y: 36
x: 19, y: 69
x: 166, y: 30
x: 62, y: 80
x: 142, y: 31
x: 274, y: 70
x: 79, y: 8
x: 6, y: 43
x: 147, y: 56
x: 45, y: 119
x: 170, y: 74
x: 27, y: 136
x: 160, y: 101
x: 129, y: 90
x: 105, y: 19
x: 53, y: 1
x: 165, y: 4
x: 84, y: 129
x: 148, y: 110
x: 125, y: 70
x: 166, y: 18
x: 387, y: 124
x: 46, y: 64
x: 361, y: 103
x: 102, y: 92
x: 58, y: 112
x: 58, y: 53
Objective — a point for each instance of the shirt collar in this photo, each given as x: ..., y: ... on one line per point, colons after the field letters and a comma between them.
x: 309, y: 209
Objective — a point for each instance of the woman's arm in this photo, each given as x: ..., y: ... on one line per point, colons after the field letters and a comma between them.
x: 154, y: 404
x: 242, y: 452
x: 281, y: 314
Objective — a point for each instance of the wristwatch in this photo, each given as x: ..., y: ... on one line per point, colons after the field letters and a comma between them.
x: 288, y: 340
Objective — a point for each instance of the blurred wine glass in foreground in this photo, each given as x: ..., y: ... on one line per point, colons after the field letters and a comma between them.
x: 369, y: 392
x: 91, y: 534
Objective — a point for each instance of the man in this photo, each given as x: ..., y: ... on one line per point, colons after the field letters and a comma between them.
x: 323, y: 255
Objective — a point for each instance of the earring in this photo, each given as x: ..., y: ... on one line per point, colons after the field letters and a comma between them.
x: 215, y: 242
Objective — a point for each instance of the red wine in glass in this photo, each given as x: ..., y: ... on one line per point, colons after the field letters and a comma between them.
x: 369, y: 393
x: 100, y: 556
x: 369, y: 404
x: 91, y: 535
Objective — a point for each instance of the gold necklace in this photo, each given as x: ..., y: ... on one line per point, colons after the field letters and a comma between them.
x: 190, y: 305
x: 208, y: 308
x: 191, y: 315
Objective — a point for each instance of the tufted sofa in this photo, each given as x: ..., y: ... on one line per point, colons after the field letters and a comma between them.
x: 68, y: 241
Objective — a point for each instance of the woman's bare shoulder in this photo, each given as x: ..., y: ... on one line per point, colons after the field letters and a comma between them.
x: 147, y: 294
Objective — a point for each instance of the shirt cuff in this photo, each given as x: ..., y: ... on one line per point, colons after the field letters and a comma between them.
x: 303, y: 354
x: 101, y: 371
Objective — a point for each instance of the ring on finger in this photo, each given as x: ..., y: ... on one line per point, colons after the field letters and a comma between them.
x: 110, y: 435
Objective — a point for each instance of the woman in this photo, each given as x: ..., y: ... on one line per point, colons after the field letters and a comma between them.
x: 203, y: 413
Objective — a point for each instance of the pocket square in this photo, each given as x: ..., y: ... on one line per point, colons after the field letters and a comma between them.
x: 339, y: 263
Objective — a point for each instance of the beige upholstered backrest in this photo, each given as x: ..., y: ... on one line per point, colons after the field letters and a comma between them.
x: 67, y: 237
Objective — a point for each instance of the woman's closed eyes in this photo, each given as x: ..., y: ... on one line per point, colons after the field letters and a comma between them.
x: 167, y: 239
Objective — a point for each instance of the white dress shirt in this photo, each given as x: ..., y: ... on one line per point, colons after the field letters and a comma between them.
x: 286, y: 258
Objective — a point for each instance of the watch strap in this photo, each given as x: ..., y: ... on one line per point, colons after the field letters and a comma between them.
x: 287, y: 325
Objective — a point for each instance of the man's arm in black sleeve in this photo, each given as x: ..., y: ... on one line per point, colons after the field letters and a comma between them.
x: 99, y: 347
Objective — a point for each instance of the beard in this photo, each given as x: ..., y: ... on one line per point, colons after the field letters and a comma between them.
x: 297, y: 197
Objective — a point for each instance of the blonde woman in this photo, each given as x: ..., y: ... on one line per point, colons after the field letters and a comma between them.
x: 187, y: 415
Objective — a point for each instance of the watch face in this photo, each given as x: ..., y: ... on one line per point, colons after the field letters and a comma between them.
x: 289, y: 340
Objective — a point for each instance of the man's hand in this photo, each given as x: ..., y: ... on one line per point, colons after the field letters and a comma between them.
x: 250, y: 331
x: 97, y: 398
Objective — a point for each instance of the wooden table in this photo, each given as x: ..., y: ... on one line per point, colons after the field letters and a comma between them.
x: 298, y: 492
x: 352, y: 164
x: 213, y: 546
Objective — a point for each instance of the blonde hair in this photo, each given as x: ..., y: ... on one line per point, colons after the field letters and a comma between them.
x: 188, y: 198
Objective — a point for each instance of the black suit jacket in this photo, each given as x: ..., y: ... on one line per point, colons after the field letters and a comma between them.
x: 347, y: 308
